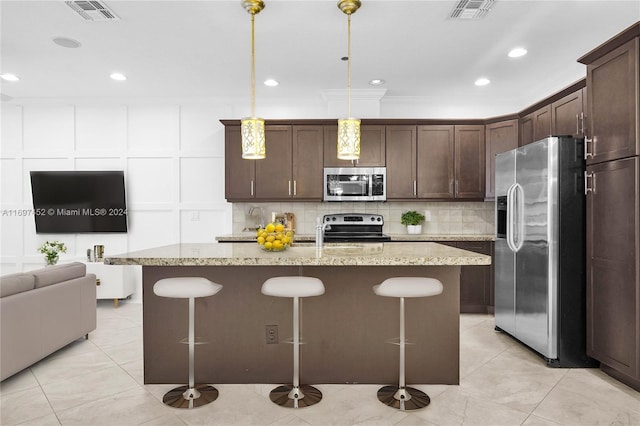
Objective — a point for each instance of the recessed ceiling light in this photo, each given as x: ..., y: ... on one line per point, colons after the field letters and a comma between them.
x: 9, y: 77
x: 271, y: 82
x: 67, y: 42
x: 376, y: 82
x: 482, y: 81
x: 517, y: 52
x: 118, y: 76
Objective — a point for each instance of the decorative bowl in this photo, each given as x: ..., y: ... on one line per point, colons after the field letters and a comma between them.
x: 274, y: 241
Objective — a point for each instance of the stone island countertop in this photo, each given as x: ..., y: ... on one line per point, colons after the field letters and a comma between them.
x: 250, y: 236
x: 338, y: 254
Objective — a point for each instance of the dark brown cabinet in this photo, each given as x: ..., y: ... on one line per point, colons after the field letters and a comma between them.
x: 612, y: 82
x: 536, y: 125
x: 372, y: 147
x: 567, y: 116
x: 401, y: 162
x: 450, y: 161
x: 613, y: 270
x: 476, y: 282
x: 292, y: 168
x: 500, y: 137
x: 612, y: 183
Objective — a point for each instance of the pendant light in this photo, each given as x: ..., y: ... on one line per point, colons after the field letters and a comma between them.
x: 349, y: 128
x: 252, y: 128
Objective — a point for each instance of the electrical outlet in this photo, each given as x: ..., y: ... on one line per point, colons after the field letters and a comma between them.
x: 271, y: 333
x: 427, y: 215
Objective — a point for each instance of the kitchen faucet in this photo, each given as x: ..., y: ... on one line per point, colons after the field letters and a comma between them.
x: 261, y: 210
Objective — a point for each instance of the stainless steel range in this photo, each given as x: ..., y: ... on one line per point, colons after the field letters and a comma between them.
x: 354, y: 227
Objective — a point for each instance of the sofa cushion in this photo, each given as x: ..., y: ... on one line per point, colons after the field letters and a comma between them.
x: 16, y: 283
x: 58, y: 273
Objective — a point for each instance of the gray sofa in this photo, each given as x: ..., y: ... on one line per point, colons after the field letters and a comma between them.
x: 42, y: 311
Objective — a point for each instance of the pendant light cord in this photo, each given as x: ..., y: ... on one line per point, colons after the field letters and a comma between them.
x: 253, y: 67
x: 348, y: 65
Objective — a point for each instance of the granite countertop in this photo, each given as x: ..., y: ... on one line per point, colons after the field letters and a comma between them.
x: 338, y: 254
x: 250, y: 236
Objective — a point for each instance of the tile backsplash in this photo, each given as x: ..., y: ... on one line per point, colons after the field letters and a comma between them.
x: 447, y: 218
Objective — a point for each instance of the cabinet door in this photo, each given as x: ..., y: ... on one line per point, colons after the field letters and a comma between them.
x: 612, y: 265
x: 475, y: 281
x: 239, y: 174
x: 499, y: 137
x: 526, y: 130
x: 273, y: 174
x: 435, y: 153
x: 372, y: 147
x: 401, y: 162
x: 612, y: 84
x: 469, y: 161
x: 566, y: 115
x: 542, y: 123
x: 307, y: 162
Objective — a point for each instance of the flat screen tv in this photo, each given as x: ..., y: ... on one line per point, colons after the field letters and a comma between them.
x: 79, y: 201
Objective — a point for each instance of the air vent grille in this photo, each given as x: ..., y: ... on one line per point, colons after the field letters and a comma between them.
x: 92, y: 10
x: 471, y: 9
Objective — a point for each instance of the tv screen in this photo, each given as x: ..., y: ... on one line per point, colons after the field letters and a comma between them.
x: 79, y: 201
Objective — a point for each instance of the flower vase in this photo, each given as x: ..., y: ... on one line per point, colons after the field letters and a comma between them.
x: 414, y: 229
x: 50, y: 261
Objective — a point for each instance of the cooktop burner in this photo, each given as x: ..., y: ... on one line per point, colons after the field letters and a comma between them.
x: 354, y: 227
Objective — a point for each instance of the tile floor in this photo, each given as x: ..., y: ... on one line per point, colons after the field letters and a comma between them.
x: 99, y: 382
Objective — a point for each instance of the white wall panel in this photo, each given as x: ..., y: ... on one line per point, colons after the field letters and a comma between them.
x: 150, y: 180
x: 101, y: 128
x: 149, y: 229
x: 11, y: 132
x: 10, y: 182
x: 48, y: 129
x: 202, y: 226
x: 153, y: 128
x: 201, y: 180
x: 11, y: 228
x: 98, y: 163
x: 201, y: 131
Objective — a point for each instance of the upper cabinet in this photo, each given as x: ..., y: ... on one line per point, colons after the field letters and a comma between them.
x: 567, y: 115
x: 500, y: 137
x: 612, y: 107
x: 435, y: 162
x: 536, y: 125
x: 291, y: 170
x: 372, y: 147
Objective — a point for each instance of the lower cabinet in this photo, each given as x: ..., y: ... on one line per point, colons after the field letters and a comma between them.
x: 476, y: 282
x: 111, y: 281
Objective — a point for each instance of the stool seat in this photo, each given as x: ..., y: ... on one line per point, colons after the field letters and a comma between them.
x: 293, y: 287
x: 408, y: 287
x: 185, y: 287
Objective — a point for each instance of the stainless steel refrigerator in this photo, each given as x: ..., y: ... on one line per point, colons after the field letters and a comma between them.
x: 540, y: 284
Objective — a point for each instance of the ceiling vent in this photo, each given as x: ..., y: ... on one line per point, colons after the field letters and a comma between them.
x: 92, y: 10
x: 471, y: 9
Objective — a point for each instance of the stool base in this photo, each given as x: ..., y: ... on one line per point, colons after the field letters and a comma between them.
x: 285, y: 396
x: 392, y: 396
x: 179, y: 397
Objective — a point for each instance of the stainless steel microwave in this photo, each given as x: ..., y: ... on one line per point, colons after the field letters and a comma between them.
x: 355, y: 184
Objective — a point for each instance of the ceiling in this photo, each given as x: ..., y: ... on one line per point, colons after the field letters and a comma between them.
x: 201, y: 49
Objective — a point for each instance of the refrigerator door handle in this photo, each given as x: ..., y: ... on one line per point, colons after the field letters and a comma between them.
x: 519, y: 202
x: 510, y: 214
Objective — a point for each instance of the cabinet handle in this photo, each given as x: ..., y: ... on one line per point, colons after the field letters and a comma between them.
x: 587, y: 189
x: 588, y: 154
x: 456, y: 187
x: 295, y: 189
x: 451, y: 186
x: 577, y: 124
x: 582, y: 123
x: 415, y: 188
x: 252, y: 187
x: 289, y: 188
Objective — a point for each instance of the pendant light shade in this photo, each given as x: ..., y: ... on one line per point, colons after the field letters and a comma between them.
x: 349, y: 128
x: 252, y: 128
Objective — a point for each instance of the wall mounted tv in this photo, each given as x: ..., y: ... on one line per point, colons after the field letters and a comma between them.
x: 79, y: 201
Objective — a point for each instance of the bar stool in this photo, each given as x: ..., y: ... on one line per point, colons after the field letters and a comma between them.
x: 401, y: 396
x: 191, y: 395
x: 294, y: 395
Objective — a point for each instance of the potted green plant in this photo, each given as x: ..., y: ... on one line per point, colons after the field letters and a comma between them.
x: 413, y: 220
x: 52, y: 250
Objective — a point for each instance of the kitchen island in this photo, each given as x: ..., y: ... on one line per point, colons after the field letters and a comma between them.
x: 345, y: 329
